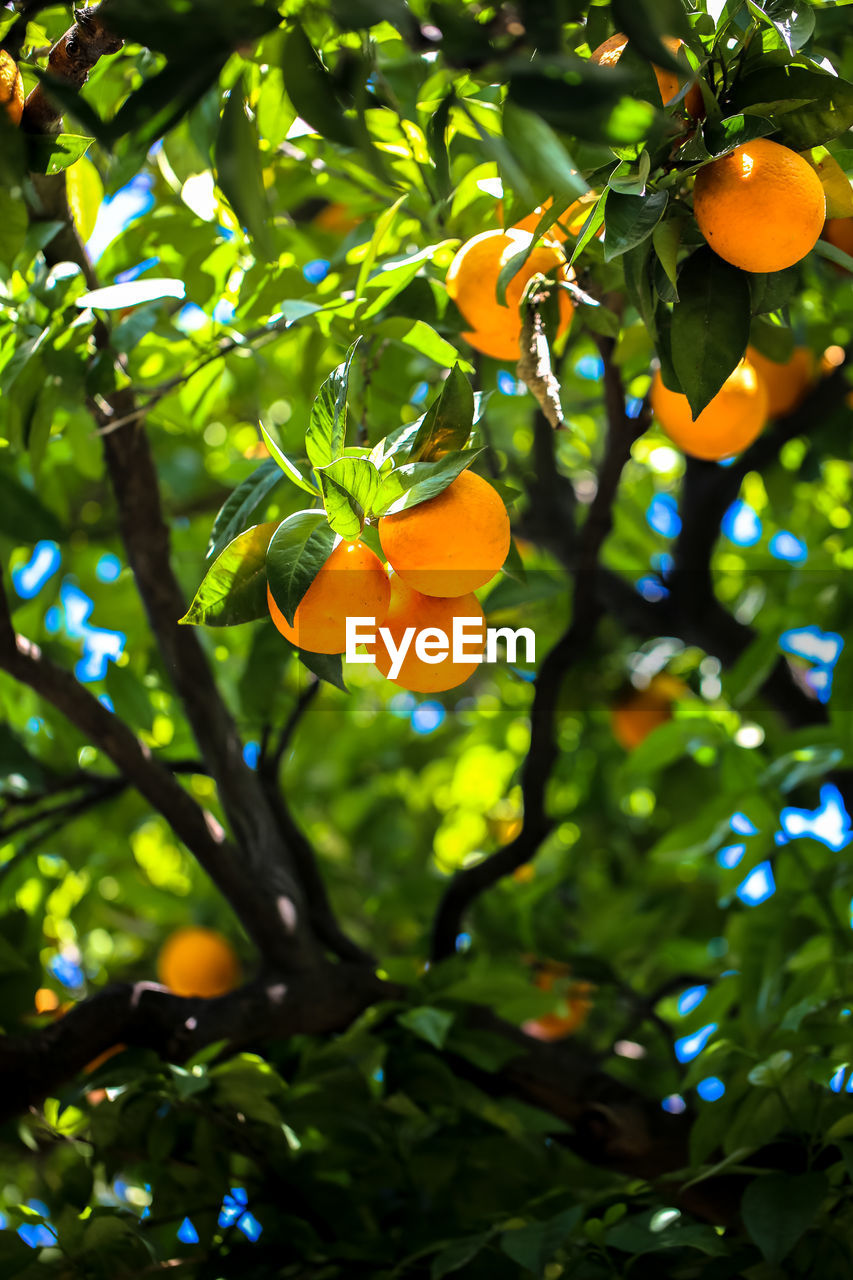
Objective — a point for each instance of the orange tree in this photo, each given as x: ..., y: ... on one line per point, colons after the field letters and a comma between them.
x: 544, y: 970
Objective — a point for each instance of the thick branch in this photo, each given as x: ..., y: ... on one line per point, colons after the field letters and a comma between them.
x: 269, y: 918
x: 468, y: 884
x: 268, y: 861
x: 70, y: 60
x: 322, y: 1000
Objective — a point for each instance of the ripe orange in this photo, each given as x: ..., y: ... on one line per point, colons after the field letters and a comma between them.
x: 634, y: 717
x: 839, y: 231
x: 733, y: 419
x: 575, y: 1004
x: 609, y: 53
x: 198, y: 962
x: 351, y: 584
x: 11, y: 88
x: 409, y: 608
x: 472, y: 281
x: 788, y: 382
x: 452, y: 543
x: 761, y: 207
x: 335, y: 217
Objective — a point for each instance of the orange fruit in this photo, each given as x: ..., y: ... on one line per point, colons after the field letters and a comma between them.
x: 411, y: 609
x: 788, y: 382
x: 452, y: 543
x: 198, y: 962
x: 732, y: 420
x: 839, y: 231
x: 351, y: 584
x: 575, y: 1004
x: 609, y: 53
x: 335, y: 217
x: 761, y: 207
x: 472, y: 281
x: 46, y: 1001
x: 634, y: 717
x: 11, y: 88
x: 572, y: 218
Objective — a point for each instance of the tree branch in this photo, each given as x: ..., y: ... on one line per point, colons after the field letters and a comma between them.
x: 268, y: 917
x: 324, y: 999
x: 468, y: 884
x: 269, y: 862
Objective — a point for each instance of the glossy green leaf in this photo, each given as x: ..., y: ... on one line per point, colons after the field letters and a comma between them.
x: 448, y: 421
x: 235, y: 513
x: 300, y: 547
x: 325, y: 438
x: 234, y: 589
x: 312, y: 89
x: 350, y: 487
x: 710, y: 326
x: 630, y: 220
x: 239, y: 173
x: 115, y: 297
x: 287, y: 465
x: 53, y: 154
x: 416, y: 482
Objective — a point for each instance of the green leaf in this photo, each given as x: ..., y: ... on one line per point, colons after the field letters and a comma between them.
x: 779, y: 1208
x: 794, y: 27
x: 115, y: 297
x: 239, y: 171
x: 540, y: 153
x: 422, y: 338
x: 630, y: 220
x: 53, y: 154
x: 809, y: 107
x: 286, y: 464
x: 13, y: 227
x: 350, y: 487
x: 312, y: 89
x: 770, y: 1073
x: 324, y: 440
x: 592, y: 226
x: 23, y: 515
x: 771, y: 291
x: 326, y: 666
x: 429, y: 1023
x: 384, y: 224
x: 534, y: 1246
x: 416, y: 482
x: 722, y: 136
x: 299, y: 548
x: 710, y: 326
x: 234, y: 589
x: 448, y: 421
x: 457, y: 1255
x: 235, y: 512
x: 666, y: 239
x: 437, y: 142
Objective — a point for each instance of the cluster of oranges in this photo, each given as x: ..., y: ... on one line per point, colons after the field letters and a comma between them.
x: 440, y: 551
x: 762, y: 208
